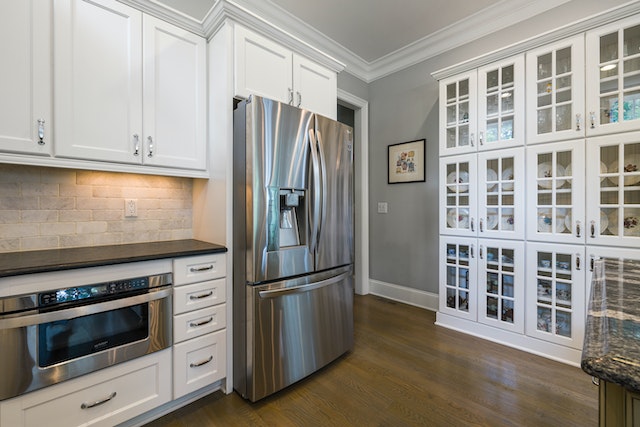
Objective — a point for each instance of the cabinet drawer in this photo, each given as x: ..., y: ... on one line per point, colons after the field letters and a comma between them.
x: 198, y: 268
x: 199, y: 362
x: 127, y: 390
x: 196, y: 323
x: 198, y: 295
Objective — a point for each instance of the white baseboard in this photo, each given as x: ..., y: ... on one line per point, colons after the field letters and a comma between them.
x: 416, y: 297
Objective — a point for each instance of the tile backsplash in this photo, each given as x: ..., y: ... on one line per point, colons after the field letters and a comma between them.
x: 49, y: 208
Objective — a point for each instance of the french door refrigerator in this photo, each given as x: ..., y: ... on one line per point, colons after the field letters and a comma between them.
x: 293, y: 244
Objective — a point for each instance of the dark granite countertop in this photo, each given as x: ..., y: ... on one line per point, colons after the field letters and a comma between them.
x: 611, y: 349
x: 28, y: 262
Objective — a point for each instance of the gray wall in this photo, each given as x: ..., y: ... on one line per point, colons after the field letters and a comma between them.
x: 404, y: 107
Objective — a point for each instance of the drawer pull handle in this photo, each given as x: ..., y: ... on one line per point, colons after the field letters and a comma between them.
x: 208, y: 294
x: 202, y: 362
x: 97, y: 402
x: 203, y: 322
x: 201, y: 269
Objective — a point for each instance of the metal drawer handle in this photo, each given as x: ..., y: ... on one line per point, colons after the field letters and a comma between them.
x: 201, y: 269
x: 97, y: 402
x: 208, y: 294
x: 40, y: 131
x: 204, y: 322
x: 202, y: 362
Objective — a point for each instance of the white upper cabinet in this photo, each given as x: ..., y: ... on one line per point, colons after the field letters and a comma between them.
x: 174, y: 96
x: 458, y: 114
x: 613, y: 77
x: 555, y: 91
x: 98, y: 80
x: 265, y: 68
x: 501, y: 104
x: 458, y: 198
x: 25, y: 77
x: 112, y: 108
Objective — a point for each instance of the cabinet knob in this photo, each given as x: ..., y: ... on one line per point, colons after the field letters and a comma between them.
x: 40, y: 131
x: 578, y: 229
x: 136, y: 144
x: 471, y: 137
x: 578, y: 121
x: 299, y: 95
x: 481, y: 138
x: 481, y: 225
x: 150, y: 144
x: 593, y: 229
x: 473, y: 227
x: 290, y: 95
x: 592, y: 118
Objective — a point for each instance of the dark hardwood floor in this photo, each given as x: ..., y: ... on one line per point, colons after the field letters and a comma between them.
x: 405, y: 371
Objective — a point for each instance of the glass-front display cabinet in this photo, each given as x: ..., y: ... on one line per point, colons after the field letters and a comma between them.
x: 555, y: 91
x: 556, y: 192
x: 458, y: 195
x: 501, y: 284
x: 613, y: 77
x: 613, y: 196
x: 501, y: 194
x: 556, y: 293
x: 501, y: 104
x: 458, y: 114
x: 458, y: 270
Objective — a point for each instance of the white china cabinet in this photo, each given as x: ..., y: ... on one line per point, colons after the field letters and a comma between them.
x: 556, y: 304
x: 458, y: 198
x: 458, y: 295
x: 555, y: 95
x: 613, y: 77
x: 25, y: 85
x: 458, y: 106
x: 555, y: 192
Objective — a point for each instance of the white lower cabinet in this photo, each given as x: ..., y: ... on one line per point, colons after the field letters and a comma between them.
x: 199, y: 322
x: 105, y: 398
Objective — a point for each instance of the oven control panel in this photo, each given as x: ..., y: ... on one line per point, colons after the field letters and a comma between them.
x: 99, y: 290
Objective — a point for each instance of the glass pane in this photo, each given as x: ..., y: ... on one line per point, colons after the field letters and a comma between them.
x: 563, y: 323
x: 492, y: 80
x: 563, y: 82
x: 507, y: 75
x: 507, y: 101
x: 544, y: 260
x: 464, y: 88
x: 451, y: 93
x: 492, y: 130
x: 464, y: 136
x: 451, y: 298
x: 609, y: 84
x: 507, y: 311
x: 492, y: 105
x: 463, y: 280
x: 507, y: 128
x: 492, y: 257
x: 544, y: 291
x: 464, y: 301
x: 609, y: 47
x: 492, y: 283
x: 563, y: 117
x: 507, y: 286
x: 492, y: 307
x: 563, y: 60
x: 632, y: 41
x: 451, y: 137
x: 463, y: 112
x: 451, y: 276
x: 563, y: 294
x: 544, y: 66
x: 608, y: 109
x: 451, y: 115
x: 544, y: 121
x: 631, y: 105
x: 544, y: 94
x: 544, y: 319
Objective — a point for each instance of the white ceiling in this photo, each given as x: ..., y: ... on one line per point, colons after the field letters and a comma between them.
x: 376, y: 37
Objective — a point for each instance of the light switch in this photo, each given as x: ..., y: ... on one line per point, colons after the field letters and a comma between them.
x: 383, y: 207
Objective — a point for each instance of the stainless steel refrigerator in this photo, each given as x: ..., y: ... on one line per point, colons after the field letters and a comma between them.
x: 293, y: 244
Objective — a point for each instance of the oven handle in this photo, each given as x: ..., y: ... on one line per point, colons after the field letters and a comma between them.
x: 84, y: 310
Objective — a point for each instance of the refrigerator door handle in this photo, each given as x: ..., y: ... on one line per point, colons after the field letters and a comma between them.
x: 323, y: 179
x: 275, y: 293
x: 316, y: 192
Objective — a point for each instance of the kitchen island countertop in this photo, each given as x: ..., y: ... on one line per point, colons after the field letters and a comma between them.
x: 29, y: 262
x: 611, y: 349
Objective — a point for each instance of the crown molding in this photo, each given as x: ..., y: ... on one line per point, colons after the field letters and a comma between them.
x: 167, y: 14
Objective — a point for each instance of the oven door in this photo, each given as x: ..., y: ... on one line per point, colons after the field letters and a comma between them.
x: 41, y: 349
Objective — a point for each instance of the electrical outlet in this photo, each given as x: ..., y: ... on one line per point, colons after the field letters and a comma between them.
x: 130, y: 208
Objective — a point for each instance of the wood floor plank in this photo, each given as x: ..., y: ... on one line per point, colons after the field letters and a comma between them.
x: 405, y: 371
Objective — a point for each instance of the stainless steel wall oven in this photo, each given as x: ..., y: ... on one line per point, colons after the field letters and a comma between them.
x: 51, y: 336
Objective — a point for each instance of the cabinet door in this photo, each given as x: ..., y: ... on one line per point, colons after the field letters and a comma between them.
x: 501, y: 194
x: 458, y: 114
x: 555, y: 94
x: 458, y: 281
x: 458, y: 197
x: 316, y: 87
x: 25, y: 78
x: 556, y: 293
x: 613, y: 77
x: 501, y: 284
x: 613, y: 198
x: 174, y: 96
x: 501, y: 104
x: 98, y: 80
x: 555, y: 192
x: 262, y: 67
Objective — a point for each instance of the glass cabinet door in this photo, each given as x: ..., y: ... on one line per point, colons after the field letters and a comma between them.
x: 556, y: 293
x: 458, y: 114
x: 555, y: 91
x: 501, y: 104
x: 458, y: 195
x: 555, y: 192
x: 501, y: 284
x: 613, y: 77
x: 458, y: 269
x: 613, y: 198
x: 501, y: 194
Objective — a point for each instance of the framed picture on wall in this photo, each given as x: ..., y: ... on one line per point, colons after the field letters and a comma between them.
x: 406, y: 162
